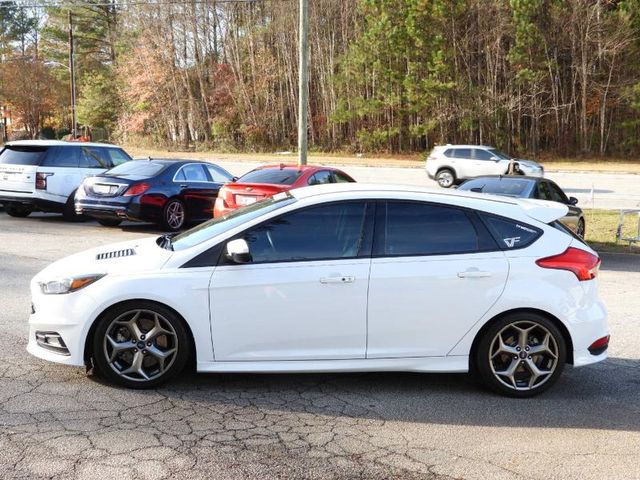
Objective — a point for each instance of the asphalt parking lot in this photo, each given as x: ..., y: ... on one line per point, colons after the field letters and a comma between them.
x: 58, y: 423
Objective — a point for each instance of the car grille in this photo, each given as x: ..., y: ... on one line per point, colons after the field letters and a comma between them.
x: 127, y: 252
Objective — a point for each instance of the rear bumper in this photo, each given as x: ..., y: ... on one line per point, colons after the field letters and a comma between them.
x: 36, y: 203
x: 131, y: 210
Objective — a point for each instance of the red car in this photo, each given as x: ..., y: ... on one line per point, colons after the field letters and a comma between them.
x: 268, y: 180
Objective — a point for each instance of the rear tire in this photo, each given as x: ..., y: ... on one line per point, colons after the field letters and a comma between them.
x: 17, y: 210
x: 174, y: 215
x: 69, y: 212
x: 520, y: 355
x: 109, y: 222
x: 446, y: 178
x: 140, y: 344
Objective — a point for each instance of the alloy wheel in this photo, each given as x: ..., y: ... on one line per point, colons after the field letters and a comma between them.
x: 175, y: 215
x: 445, y: 179
x: 140, y: 345
x: 523, y: 355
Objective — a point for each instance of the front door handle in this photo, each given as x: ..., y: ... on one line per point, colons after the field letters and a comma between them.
x: 340, y: 279
x: 473, y: 274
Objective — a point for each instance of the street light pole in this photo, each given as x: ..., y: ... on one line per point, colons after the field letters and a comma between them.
x: 72, y: 73
x: 303, y: 82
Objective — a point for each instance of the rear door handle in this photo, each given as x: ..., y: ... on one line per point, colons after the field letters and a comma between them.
x: 340, y: 279
x: 473, y: 274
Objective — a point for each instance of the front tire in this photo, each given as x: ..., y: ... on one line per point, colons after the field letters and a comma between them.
x: 520, y: 355
x: 174, y: 215
x: 445, y: 178
x: 140, y: 345
x: 17, y: 210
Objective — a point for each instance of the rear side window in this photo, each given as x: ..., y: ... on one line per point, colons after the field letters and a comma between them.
x: 323, y: 176
x: 63, y: 157
x: 411, y: 228
x: 511, y: 234
x: 276, y: 176
x: 342, y: 178
x: 450, y: 152
x: 22, y: 155
x: 462, y: 153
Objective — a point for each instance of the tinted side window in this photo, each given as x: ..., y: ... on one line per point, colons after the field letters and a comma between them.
x: 340, y: 178
x: 450, y: 152
x: 480, y: 154
x: 543, y: 192
x: 63, y: 157
x: 325, y: 232
x: 413, y: 228
x: 218, y: 175
x: 321, y: 177
x: 194, y: 173
x: 511, y: 234
x: 462, y: 153
x: 557, y: 194
x: 93, y: 157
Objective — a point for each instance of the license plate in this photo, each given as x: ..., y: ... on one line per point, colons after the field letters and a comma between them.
x: 104, y: 189
x: 243, y: 200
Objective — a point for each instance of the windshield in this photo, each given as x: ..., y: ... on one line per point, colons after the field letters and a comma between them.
x: 512, y: 187
x: 138, y: 167
x: 499, y: 154
x: 277, y: 176
x: 217, y: 226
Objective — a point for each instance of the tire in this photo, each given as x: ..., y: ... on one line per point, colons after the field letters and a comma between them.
x: 124, y: 357
x: 17, y: 210
x: 581, y: 229
x: 174, y: 215
x: 109, y: 222
x: 69, y: 212
x: 446, y: 178
x: 506, y: 366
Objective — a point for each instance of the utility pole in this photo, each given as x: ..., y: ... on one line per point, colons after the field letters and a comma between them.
x: 303, y: 82
x: 72, y: 74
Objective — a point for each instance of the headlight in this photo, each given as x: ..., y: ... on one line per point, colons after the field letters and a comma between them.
x: 68, y: 285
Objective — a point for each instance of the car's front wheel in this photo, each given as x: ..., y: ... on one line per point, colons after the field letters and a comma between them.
x: 140, y: 345
x: 445, y: 178
x: 16, y: 210
x: 520, y: 355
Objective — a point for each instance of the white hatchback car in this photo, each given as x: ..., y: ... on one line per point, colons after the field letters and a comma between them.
x: 452, y: 164
x: 335, y: 278
x: 43, y: 175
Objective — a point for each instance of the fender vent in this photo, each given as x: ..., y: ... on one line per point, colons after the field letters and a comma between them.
x: 127, y: 252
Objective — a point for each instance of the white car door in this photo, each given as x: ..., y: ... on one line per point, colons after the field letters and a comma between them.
x: 462, y: 162
x: 304, y: 294
x: 61, y: 168
x: 484, y: 163
x: 435, y: 272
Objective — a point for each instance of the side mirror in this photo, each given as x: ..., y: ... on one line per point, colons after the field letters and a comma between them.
x: 495, y: 159
x: 238, y: 251
x: 573, y: 201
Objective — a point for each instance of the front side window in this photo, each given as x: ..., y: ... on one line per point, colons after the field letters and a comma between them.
x: 342, y: 178
x: 93, y: 157
x: 481, y: 154
x: 557, y: 194
x: 318, y: 233
x: 320, y: 178
x: 218, y: 175
x: 412, y: 228
x: 117, y: 156
x: 543, y: 192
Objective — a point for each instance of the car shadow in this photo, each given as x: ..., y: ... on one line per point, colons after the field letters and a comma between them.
x: 603, y: 396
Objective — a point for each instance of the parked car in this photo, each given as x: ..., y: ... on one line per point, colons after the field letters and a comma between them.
x: 43, y: 175
x: 170, y: 193
x: 335, y: 278
x: 266, y: 181
x: 531, y: 187
x: 452, y: 164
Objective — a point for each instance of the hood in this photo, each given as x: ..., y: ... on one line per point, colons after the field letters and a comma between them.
x: 134, y: 256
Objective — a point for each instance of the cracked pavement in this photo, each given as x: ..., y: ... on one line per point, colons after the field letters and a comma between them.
x: 56, y: 422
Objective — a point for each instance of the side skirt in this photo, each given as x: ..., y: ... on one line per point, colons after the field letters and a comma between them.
x: 450, y: 364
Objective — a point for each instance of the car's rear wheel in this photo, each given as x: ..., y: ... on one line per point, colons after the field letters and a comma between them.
x: 445, y: 178
x: 521, y: 355
x: 140, y: 345
x: 109, y: 222
x: 581, y: 229
x: 17, y: 210
x: 174, y: 215
x: 69, y: 212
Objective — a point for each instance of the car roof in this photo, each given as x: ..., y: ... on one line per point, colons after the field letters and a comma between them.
x: 169, y: 160
x: 293, y: 166
x: 55, y: 143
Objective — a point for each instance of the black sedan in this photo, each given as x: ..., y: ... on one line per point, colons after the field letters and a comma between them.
x: 530, y: 187
x: 170, y: 193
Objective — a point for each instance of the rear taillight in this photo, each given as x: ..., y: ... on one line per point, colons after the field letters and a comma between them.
x: 583, y: 264
x: 136, y: 189
x: 41, y: 180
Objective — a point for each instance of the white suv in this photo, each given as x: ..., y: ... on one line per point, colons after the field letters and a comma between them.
x: 43, y: 175
x: 451, y: 164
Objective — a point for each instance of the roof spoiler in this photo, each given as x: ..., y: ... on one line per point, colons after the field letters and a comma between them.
x: 543, y: 210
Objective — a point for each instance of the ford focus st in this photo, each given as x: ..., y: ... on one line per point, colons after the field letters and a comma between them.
x: 335, y: 278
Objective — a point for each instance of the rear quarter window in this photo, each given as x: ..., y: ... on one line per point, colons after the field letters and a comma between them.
x: 22, y: 155
x: 510, y: 234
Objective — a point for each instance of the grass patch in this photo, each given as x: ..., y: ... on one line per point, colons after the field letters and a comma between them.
x: 601, y: 231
